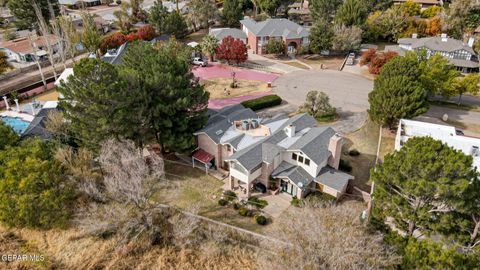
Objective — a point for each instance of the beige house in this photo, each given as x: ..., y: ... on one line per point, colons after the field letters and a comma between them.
x: 278, y: 154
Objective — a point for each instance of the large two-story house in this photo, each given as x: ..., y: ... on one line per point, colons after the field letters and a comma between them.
x: 460, y: 54
x: 288, y: 155
x: 259, y: 33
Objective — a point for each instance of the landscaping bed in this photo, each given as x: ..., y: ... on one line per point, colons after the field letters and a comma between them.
x: 263, y: 102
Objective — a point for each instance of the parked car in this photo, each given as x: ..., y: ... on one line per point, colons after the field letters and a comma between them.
x: 351, y: 59
x: 197, y: 61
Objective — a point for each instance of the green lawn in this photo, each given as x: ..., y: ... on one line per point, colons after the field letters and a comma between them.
x: 191, y: 189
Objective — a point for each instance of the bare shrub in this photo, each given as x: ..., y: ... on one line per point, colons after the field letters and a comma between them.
x: 327, y: 238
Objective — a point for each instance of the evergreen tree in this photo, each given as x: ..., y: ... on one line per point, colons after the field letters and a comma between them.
x: 395, y: 98
x: 232, y: 12
x: 33, y: 190
x: 420, y: 182
x: 25, y: 14
x: 175, y: 25
x: 352, y: 12
x: 437, y: 74
x: 157, y: 15
x: 8, y: 137
x: 96, y: 102
x: 324, y: 10
x: 321, y: 37
x: 90, y: 36
x: 172, y: 102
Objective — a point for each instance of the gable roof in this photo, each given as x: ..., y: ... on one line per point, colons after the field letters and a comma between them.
x: 296, y: 174
x: 436, y: 44
x: 275, y: 28
x: 221, y: 33
x: 312, y: 141
x: 22, y: 45
x: 333, y: 178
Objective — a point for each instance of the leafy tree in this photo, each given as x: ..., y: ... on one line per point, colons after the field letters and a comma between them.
x: 157, y: 16
x: 33, y: 190
x: 431, y: 11
x: 317, y: 104
x: 4, y: 64
x: 376, y: 5
x: 346, y: 38
x: 275, y: 46
x: 8, y: 137
x: 389, y: 24
x: 463, y: 85
x: 458, y: 15
x: 396, y: 97
x: 171, y: 103
x: 408, y: 65
x: 209, y: 45
x: 416, y: 184
x: 352, y: 12
x: 437, y: 73
x: 96, y: 104
x: 321, y: 36
x: 271, y: 6
x: 90, y: 36
x: 137, y: 13
x: 124, y: 20
x: 232, y: 50
x: 376, y: 60
x: 201, y: 13
x: 324, y: 10
x: 146, y: 32
x: 175, y: 25
x: 25, y: 14
x: 232, y: 12
x: 410, y: 8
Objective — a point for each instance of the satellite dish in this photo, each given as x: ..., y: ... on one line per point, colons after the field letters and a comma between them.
x: 300, y: 184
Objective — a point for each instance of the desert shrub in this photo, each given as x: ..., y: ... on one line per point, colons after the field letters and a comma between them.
x: 296, y: 202
x: 245, y: 212
x: 354, y: 152
x: 345, y: 165
x: 320, y: 197
x: 257, y: 202
x: 367, y: 56
x: 262, y: 102
x: 261, y: 220
x: 222, y: 202
x: 229, y: 195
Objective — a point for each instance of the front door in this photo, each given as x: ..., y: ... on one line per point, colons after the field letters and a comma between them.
x: 289, y: 188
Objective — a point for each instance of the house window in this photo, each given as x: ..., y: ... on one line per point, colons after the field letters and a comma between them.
x: 294, y: 156
x: 300, y: 159
x: 229, y: 148
x: 307, y: 161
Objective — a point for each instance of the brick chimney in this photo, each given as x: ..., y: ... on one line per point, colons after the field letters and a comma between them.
x: 335, y: 149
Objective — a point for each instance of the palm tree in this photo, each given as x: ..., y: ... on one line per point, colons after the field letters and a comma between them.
x: 209, y: 45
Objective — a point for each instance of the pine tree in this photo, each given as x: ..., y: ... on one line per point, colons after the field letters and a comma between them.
x: 25, y: 15
x: 171, y: 102
x: 352, y: 12
x: 232, y: 12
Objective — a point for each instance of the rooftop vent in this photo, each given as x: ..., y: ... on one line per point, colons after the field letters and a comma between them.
x: 218, y: 132
x: 245, y: 125
x: 254, y: 123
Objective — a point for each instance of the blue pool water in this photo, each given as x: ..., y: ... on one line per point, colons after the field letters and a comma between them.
x: 18, y: 125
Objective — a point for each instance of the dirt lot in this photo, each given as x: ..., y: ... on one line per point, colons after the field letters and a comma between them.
x: 217, y: 87
x: 316, y: 61
x: 365, y: 141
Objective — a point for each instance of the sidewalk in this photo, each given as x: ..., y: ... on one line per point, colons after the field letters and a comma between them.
x: 220, y: 103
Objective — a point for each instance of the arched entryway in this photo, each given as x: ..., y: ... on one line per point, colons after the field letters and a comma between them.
x: 292, y: 47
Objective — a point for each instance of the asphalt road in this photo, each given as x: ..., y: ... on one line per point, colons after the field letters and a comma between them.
x: 348, y: 92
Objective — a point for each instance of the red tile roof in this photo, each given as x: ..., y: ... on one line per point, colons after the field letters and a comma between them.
x: 203, y: 156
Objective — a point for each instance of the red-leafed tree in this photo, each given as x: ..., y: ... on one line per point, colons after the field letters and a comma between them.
x: 131, y: 37
x: 375, y: 60
x: 379, y: 60
x: 146, y: 32
x: 112, y: 41
x: 232, y: 50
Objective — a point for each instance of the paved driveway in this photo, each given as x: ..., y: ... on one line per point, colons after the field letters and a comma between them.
x: 347, y: 92
x: 214, y: 70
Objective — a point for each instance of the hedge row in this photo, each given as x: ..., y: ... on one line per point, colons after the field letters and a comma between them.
x: 262, y: 102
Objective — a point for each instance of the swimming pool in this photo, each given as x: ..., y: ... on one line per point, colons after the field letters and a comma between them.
x: 18, y: 125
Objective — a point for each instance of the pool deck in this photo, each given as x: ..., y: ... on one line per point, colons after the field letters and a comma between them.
x: 24, y: 116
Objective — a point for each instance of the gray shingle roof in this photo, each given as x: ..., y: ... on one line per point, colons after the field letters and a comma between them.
x: 333, y: 178
x: 315, y: 144
x: 37, y: 126
x: 220, y: 120
x: 436, y: 44
x: 275, y: 28
x: 221, y: 33
x: 296, y: 174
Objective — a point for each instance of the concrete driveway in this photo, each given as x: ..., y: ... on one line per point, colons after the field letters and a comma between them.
x: 348, y: 92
